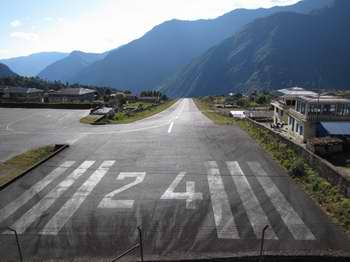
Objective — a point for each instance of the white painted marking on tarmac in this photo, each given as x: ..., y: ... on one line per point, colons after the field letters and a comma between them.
x: 255, y: 213
x: 73, y: 141
x: 40, y: 207
x: 190, y: 195
x: 225, y: 225
x: 71, y: 206
x: 289, y: 216
x: 13, y: 206
x: 170, y: 127
x: 109, y: 202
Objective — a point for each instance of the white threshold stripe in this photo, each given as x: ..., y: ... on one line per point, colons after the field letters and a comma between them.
x: 40, y: 207
x: 171, y: 127
x: 71, y: 206
x: 13, y: 206
x: 255, y: 213
x: 289, y: 216
x: 224, y: 221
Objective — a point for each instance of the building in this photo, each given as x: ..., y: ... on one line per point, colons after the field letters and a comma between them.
x: 72, y: 95
x: 286, y: 100
x: 311, y: 113
x: 21, y: 94
x: 305, y: 113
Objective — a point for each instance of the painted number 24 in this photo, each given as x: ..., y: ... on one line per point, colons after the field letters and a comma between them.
x: 189, y: 196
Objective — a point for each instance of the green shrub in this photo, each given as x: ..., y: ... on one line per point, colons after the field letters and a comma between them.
x: 297, y: 168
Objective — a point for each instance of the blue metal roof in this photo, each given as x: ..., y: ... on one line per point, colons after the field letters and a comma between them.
x: 336, y: 128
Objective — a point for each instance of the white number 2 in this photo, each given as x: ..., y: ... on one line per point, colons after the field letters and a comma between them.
x: 190, y: 195
x: 109, y: 202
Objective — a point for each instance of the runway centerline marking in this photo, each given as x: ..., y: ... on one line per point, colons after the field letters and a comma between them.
x: 289, y: 216
x: 170, y: 127
x: 13, y: 206
x: 255, y: 213
x: 225, y: 224
x: 41, y: 206
x: 71, y: 206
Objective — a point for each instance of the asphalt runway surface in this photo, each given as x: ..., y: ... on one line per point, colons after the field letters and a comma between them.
x: 197, y: 190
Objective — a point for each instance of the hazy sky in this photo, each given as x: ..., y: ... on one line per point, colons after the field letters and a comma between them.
x: 29, y: 26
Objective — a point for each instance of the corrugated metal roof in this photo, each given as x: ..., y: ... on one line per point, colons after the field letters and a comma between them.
x: 297, y: 91
x: 21, y: 90
x: 74, y: 91
x: 336, y: 128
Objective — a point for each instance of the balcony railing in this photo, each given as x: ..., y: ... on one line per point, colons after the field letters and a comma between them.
x: 314, y: 117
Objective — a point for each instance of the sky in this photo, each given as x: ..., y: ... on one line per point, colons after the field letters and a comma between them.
x: 31, y: 26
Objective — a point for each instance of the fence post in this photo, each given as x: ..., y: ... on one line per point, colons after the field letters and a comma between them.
x: 18, y: 245
x: 261, y: 257
x: 140, y: 241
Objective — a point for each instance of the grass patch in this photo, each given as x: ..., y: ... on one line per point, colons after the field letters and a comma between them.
x: 123, y: 118
x: 209, y: 111
x: 327, y: 196
x: 13, y: 167
x: 90, y: 119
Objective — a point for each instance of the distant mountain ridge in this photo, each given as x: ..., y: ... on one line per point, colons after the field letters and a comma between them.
x: 5, y: 71
x: 146, y: 62
x: 283, y: 50
x: 65, y: 69
x: 31, y: 65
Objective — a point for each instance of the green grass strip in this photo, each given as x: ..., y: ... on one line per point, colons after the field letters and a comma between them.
x: 15, y: 166
x: 122, y: 118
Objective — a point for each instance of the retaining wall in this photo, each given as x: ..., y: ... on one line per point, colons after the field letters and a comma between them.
x: 324, y: 168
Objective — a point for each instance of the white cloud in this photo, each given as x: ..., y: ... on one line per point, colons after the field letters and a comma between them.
x: 25, y: 36
x: 48, y: 19
x: 16, y: 23
x: 4, y: 51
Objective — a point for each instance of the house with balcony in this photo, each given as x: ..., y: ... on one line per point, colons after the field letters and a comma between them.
x: 306, y: 114
x: 316, y: 116
x: 286, y: 100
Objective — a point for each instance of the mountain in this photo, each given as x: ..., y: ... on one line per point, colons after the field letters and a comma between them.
x: 66, y: 68
x: 31, y: 65
x: 282, y: 50
x: 149, y: 60
x: 5, y: 71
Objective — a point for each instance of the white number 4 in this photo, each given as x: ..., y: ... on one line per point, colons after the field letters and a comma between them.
x: 190, y: 195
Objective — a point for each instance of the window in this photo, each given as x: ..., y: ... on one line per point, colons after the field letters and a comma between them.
x: 297, y: 128
x: 292, y: 122
x: 332, y: 109
x: 303, y: 107
x: 301, y: 130
x: 326, y: 109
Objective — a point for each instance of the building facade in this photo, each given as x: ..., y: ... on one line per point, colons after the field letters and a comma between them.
x: 302, y: 113
x: 72, y: 95
x: 21, y: 94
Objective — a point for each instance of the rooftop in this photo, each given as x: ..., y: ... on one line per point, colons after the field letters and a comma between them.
x: 325, y: 99
x: 296, y: 91
x: 74, y: 91
x: 20, y: 90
